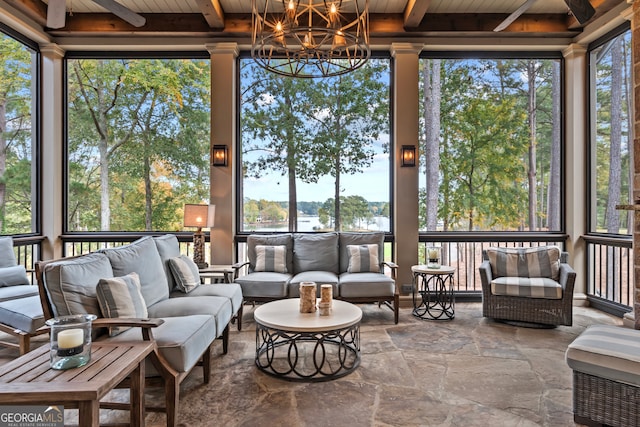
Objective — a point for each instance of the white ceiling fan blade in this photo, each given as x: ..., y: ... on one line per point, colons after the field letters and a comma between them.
x: 522, y: 9
x: 122, y: 12
x: 56, y: 12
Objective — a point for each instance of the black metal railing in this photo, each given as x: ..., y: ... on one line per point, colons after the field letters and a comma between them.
x: 28, y: 251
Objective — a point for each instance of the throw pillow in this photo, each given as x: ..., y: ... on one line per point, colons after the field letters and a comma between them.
x: 541, y: 261
x: 13, y: 276
x: 363, y: 258
x: 7, y: 256
x: 185, y: 272
x: 121, y: 297
x: 271, y: 258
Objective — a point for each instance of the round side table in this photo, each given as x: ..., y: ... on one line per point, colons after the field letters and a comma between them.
x: 433, y: 296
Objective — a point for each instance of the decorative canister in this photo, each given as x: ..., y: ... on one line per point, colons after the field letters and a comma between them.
x: 433, y: 257
x: 70, y: 340
x: 307, y: 297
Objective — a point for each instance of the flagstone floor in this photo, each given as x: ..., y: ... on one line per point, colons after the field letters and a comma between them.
x: 469, y: 371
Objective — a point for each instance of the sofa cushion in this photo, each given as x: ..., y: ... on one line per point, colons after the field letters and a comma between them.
x: 24, y: 314
x: 121, y: 297
x: 363, y: 258
x: 168, y: 247
x: 542, y: 261
x: 607, y: 351
x: 364, y: 238
x: 269, y: 240
x: 271, y: 258
x: 231, y: 291
x: 143, y: 258
x: 319, y: 277
x: 264, y: 284
x: 217, y: 307
x: 71, y: 283
x: 355, y: 285
x: 180, y: 340
x: 13, y: 276
x: 7, y: 255
x: 315, y: 252
x: 185, y: 273
x: 534, y: 287
x: 15, y: 292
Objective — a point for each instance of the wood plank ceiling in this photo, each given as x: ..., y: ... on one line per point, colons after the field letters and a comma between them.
x: 389, y: 18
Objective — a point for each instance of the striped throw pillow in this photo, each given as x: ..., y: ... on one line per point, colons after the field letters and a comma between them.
x: 185, y: 273
x: 121, y: 297
x: 271, y: 258
x: 363, y: 258
x: 542, y: 261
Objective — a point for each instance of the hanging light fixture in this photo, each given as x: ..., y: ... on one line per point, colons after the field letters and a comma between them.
x: 310, y: 38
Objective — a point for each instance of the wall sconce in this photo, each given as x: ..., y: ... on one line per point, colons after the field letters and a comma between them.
x: 219, y: 155
x: 408, y: 155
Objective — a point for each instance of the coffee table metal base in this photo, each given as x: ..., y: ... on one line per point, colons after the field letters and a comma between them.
x: 308, y: 356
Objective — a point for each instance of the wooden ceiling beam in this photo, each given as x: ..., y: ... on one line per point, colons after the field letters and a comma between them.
x: 34, y: 9
x: 414, y: 12
x: 212, y: 12
x: 381, y: 25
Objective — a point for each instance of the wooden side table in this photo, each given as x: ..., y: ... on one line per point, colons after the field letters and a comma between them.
x: 30, y: 380
x: 217, y: 273
x: 433, y: 300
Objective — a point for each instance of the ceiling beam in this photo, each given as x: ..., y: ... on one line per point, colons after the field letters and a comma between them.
x: 414, y: 12
x: 381, y: 25
x: 212, y: 12
x: 34, y: 9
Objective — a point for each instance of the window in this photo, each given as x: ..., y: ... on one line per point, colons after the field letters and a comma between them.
x: 18, y: 136
x: 611, y: 137
x: 490, y: 143
x: 307, y: 143
x: 138, y: 141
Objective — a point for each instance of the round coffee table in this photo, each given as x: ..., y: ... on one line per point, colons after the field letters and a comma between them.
x: 306, y: 346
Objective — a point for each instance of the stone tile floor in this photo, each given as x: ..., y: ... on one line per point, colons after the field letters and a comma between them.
x: 469, y: 371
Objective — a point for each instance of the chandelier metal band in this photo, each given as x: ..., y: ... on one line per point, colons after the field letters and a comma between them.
x: 310, y: 38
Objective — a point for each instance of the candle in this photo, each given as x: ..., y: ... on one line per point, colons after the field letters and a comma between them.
x: 433, y: 254
x: 326, y: 293
x: 70, y: 338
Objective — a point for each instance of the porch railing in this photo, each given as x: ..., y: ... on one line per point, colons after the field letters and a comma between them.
x: 28, y: 250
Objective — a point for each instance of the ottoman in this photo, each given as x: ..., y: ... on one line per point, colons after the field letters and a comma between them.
x: 605, y: 360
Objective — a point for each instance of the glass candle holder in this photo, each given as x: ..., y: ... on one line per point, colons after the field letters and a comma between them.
x: 433, y: 257
x: 70, y: 341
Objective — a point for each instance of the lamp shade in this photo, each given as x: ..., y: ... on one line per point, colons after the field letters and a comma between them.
x: 201, y: 216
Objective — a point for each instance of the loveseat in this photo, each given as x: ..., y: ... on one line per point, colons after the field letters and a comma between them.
x: 527, y: 286
x: 146, y: 279
x: 353, y: 263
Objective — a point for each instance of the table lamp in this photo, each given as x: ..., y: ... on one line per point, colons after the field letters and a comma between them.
x: 200, y: 216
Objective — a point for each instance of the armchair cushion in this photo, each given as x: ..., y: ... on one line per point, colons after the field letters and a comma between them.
x: 7, y: 256
x: 271, y: 258
x: 13, y: 276
x: 185, y: 273
x: 121, y: 297
x: 363, y: 258
x: 542, y: 261
x: 535, y: 287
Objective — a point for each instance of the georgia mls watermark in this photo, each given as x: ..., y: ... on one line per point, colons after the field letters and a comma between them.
x: 32, y: 416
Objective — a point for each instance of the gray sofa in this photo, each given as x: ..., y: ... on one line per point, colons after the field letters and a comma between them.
x: 278, y: 263
x: 190, y: 322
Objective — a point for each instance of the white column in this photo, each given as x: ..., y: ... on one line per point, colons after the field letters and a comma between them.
x: 576, y: 162
x: 223, y: 131
x: 405, y: 128
x: 52, y: 150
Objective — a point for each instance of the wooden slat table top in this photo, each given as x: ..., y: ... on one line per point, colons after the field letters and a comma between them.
x: 29, y: 378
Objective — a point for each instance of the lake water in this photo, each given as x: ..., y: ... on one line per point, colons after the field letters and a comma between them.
x: 312, y: 223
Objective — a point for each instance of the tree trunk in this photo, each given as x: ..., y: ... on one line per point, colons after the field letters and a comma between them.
x: 3, y: 161
x: 432, y: 96
x: 553, y: 194
x: 533, y: 202
x: 612, y: 216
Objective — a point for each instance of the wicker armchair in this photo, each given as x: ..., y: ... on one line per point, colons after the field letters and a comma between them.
x: 543, y: 298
